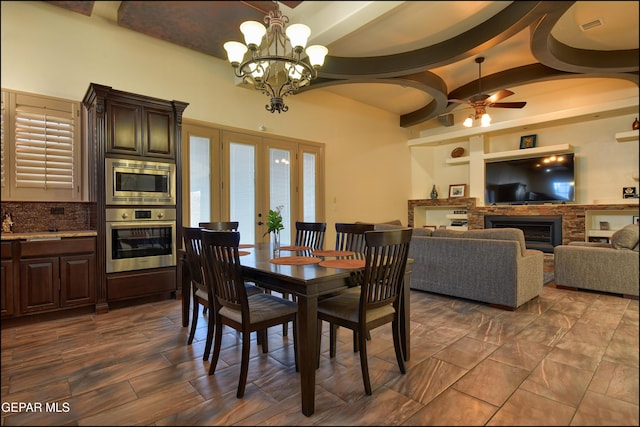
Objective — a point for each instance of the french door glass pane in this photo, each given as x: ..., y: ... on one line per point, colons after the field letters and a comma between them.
x: 280, y: 188
x: 309, y: 186
x: 199, y: 180
x: 242, y: 189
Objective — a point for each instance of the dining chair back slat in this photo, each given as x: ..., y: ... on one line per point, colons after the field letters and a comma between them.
x: 310, y: 234
x: 350, y: 236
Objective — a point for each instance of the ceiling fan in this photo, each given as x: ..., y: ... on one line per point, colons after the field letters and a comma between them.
x: 480, y: 101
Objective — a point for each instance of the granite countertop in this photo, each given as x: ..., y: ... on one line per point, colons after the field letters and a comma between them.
x: 48, y: 234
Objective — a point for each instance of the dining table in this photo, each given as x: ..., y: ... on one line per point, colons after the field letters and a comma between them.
x: 296, y: 273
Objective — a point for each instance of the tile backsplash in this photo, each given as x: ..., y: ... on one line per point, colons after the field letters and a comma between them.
x: 43, y: 216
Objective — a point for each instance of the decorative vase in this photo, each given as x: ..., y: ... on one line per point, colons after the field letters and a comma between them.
x: 434, y: 192
x: 635, y: 124
x: 276, y: 242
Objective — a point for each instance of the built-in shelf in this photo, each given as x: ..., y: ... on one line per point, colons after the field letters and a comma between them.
x: 529, y: 152
x: 628, y: 136
x: 600, y: 233
x: 456, y: 216
x: 458, y: 160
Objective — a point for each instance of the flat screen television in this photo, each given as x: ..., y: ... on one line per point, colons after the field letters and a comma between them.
x: 545, y: 179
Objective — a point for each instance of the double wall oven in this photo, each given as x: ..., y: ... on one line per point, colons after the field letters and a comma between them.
x: 140, y: 215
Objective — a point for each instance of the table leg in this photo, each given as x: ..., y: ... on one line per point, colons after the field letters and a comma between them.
x: 307, y: 333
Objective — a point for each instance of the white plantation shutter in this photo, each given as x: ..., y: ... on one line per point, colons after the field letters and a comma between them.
x: 3, y: 161
x: 41, y: 147
x: 44, y: 145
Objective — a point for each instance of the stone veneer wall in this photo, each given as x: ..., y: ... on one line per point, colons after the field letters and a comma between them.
x: 573, y: 216
x: 37, y: 216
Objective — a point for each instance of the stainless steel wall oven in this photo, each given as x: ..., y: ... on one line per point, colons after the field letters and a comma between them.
x: 140, y: 238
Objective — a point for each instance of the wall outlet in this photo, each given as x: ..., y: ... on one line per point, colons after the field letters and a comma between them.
x: 57, y: 211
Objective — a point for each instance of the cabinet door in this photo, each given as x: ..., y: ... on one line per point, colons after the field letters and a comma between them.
x: 158, y: 139
x: 77, y: 280
x: 6, y: 288
x: 124, y: 128
x: 39, y: 284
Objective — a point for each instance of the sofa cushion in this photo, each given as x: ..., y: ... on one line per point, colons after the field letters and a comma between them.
x: 514, y: 234
x: 626, y: 238
x: 420, y: 231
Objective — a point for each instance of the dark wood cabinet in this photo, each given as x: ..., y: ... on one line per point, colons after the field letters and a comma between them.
x: 138, y: 128
x: 57, y: 274
x: 128, y: 125
x: 6, y: 280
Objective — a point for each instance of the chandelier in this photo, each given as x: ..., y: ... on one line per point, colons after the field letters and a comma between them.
x: 275, y: 64
x: 480, y: 114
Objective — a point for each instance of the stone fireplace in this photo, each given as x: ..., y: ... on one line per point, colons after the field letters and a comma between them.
x: 540, y: 232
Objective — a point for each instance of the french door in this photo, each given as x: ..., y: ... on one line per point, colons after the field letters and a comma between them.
x: 247, y: 175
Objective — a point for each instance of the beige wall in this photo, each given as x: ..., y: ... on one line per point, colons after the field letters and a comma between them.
x: 49, y: 50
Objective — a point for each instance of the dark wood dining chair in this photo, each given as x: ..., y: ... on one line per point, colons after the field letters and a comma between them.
x: 386, y: 254
x: 199, y: 291
x: 232, y: 306
x: 310, y: 234
x: 220, y: 225
x: 350, y: 237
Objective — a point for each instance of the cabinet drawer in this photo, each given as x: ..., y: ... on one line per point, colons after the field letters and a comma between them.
x: 6, y: 250
x: 57, y: 247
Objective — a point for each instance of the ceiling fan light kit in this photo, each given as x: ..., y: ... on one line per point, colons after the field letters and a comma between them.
x: 276, y: 65
x: 480, y: 101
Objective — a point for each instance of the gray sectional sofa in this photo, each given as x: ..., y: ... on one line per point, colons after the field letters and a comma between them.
x: 488, y: 265
x: 607, y: 267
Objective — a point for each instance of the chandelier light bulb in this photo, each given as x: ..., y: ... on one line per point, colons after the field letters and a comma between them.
x: 253, y: 32
x: 298, y: 35
x: 235, y: 52
x: 316, y: 55
x: 468, y: 122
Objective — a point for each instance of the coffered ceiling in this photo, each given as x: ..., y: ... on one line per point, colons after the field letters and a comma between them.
x: 410, y: 57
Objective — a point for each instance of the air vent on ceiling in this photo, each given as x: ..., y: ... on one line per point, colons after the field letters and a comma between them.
x: 591, y: 24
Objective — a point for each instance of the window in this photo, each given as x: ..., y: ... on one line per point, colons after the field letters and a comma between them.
x: 40, y: 148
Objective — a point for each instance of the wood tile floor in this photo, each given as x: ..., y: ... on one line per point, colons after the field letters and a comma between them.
x: 565, y: 358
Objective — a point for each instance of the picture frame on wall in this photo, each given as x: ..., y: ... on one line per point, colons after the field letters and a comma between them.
x: 528, y: 141
x: 457, y: 190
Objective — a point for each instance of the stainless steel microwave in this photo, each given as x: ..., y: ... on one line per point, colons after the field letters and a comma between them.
x: 140, y: 182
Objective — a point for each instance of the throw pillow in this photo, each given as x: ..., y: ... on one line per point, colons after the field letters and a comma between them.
x: 626, y: 238
x: 419, y: 231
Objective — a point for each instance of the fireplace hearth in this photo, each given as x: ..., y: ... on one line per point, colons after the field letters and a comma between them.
x: 540, y: 232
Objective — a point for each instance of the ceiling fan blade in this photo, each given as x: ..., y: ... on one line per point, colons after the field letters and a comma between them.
x: 457, y: 101
x: 507, y: 104
x: 498, y: 96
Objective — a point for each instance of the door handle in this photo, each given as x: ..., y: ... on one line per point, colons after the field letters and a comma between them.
x: 260, y: 222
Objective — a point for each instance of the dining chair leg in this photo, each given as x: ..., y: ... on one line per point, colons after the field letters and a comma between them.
x: 318, y: 342
x: 333, y: 332
x: 398, y: 346
x: 210, y: 332
x: 295, y: 343
x: 364, y: 363
x: 217, y: 343
x: 194, y: 320
x: 244, y: 364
